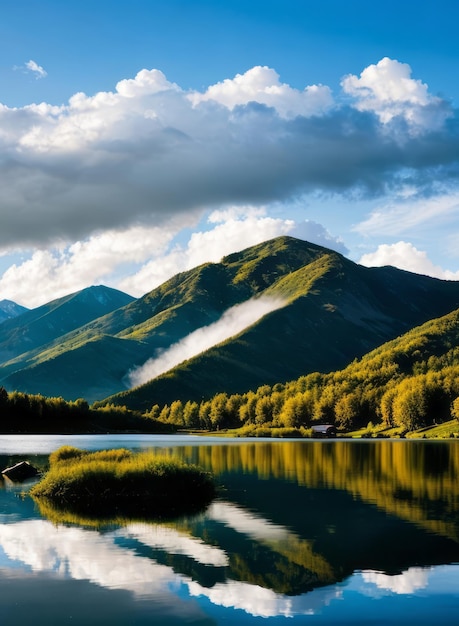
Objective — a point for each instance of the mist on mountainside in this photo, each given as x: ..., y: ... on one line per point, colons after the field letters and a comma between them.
x: 233, y: 321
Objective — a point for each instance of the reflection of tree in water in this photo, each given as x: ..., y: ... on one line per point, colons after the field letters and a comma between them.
x: 299, y: 515
x: 356, y: 505
x: 417, y: 481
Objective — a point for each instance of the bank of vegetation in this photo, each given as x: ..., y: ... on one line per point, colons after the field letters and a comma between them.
x: 408, y: 384
x: 37, y: 414
x: 119, y: 483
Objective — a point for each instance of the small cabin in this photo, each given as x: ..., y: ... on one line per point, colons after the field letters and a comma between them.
x: 324, y: 430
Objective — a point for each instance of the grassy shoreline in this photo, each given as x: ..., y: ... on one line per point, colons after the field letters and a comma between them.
x: 447, y: 430
x: 112, y: 483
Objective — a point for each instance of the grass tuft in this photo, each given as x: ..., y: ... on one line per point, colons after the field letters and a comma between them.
x: 111, y: 483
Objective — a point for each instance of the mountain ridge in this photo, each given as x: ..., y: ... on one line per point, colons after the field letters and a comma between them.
x: 336, y: 311
x: 336, y: 328
x: 10, y: 309
x: 37, y: 327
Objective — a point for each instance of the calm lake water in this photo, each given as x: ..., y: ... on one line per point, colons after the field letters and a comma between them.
x: 309, y: 532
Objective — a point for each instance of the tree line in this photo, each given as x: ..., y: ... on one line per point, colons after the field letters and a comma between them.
x: 401, y: 384
x: 410, y: 383
x: 34, y: 413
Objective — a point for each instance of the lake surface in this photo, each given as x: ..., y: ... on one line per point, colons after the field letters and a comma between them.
x: 305, y: 532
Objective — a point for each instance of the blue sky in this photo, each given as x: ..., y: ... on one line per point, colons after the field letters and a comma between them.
x: 141, y: 138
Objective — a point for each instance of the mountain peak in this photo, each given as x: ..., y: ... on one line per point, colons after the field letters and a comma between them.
x: 335, y: 311
x: 9, y: 310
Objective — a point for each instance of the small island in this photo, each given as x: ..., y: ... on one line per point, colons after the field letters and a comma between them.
x: 116, y: 483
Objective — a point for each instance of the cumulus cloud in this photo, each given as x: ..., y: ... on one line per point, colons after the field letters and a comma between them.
x: 316, y: 233
x: 406, y: 583
x: 138, y: 259
x: 100, y: 558
x: 248, y: 523
x: 36, y: 69
x: 66, y: 269
x: 261, y: 84
x: 388, y: 90
x: 161, y: 537
x: 232, y: 322
x: 406, y: 257
x: 150, y: 151
x: 229, y: 231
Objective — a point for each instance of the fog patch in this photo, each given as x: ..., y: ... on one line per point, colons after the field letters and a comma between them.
x: 232, y: 322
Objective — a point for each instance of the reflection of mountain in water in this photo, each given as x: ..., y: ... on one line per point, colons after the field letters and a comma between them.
x: 126, y: 559
x: 416, y: 481
x: 293, y: 517
x: 357, y: 505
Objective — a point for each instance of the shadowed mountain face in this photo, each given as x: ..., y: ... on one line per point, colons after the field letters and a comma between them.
x: 331, y: 311
x: 334, y: 311
x: 28, y: 334
x: 9, y: 309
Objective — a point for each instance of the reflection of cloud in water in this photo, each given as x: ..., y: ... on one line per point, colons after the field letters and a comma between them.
x: 261, y: 602
x: 174, y: 542
x: 89, y: 555
x: 247, y: 523
x: 82, y: 555
x: 405, y: 583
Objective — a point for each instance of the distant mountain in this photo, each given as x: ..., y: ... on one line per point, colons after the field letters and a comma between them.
x: 38, y: 327
x: 333, y: 312
x: 9, y: 309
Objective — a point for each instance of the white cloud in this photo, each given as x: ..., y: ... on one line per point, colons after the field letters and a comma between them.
x: 232, y: 322
x: 261, y: 602
x: 388, y: 90
x: 261, y: 84
x: 316, y: 233
x: 248, y: 523
x: 406, y: 583
x: 83, y: 555
x: 138, y: 259
x: 404, y: 215
x: 161, y: 537
x: 36, y: 69
x: 145, y: 82
x: 150, y: 151
x: 79, y: 554
x: 52, y: 273
x: 232, y: 230
x: 406, y: 257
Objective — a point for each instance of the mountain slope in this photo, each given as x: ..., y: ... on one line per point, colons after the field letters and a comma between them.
x: 9, y: 309
x: 95, y: 368
x: 38, y: 327
x: 186, y: 302
x: 333, y: 312
x: 336, y: 311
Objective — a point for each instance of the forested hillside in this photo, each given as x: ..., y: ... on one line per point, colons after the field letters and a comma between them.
x: 410, y: 382
x: 334, y: 311
x: 320, y: 312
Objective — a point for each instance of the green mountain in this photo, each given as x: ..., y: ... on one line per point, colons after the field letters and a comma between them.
x: 38, y: 327
x: 335, y: 311
x: 332, y: 312
x: 93, y: 360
